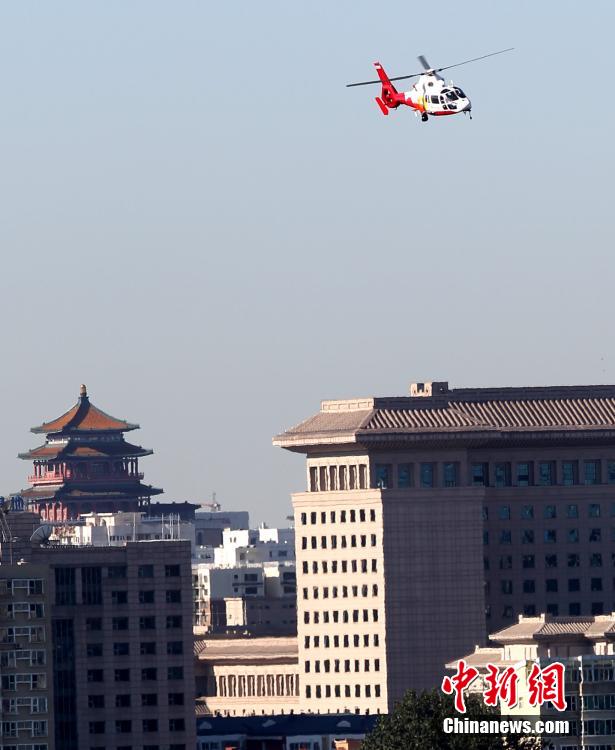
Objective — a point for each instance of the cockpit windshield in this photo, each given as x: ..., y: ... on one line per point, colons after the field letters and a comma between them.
x: 449, y: 95
x: 459, y: 93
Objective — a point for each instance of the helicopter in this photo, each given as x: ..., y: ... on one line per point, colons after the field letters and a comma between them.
x: 430, y: 95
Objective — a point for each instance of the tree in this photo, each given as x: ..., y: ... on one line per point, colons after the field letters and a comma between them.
x: 417, y: 724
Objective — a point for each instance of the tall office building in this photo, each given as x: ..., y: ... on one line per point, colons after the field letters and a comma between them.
x: 432, y: 518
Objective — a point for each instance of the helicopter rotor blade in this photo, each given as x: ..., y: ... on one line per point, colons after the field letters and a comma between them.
x: 395, y: 78
x: 474, y: 59
x: 423, y: 61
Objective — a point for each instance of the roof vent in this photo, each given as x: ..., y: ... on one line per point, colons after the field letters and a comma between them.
x: 428, y: 389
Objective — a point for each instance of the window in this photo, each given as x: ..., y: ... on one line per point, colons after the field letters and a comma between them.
x: 93, y: 623
x: 553, y: 609
x: 527, y: 561
x: 502, y: 474
x: 65, y: 586
x: 550, y: 536
x: 480, y: 474
x: 524, y: 474
x: 505, y: 536
x: 174, y: 596
x: 546, y: 472
x: 145, y: 571
x: 573, y: 561
x: 177, y: 725
x: 119, y: 597
x: 529, y: 586
x: 119, y: 623
x: 91, y: 585
x: 504, y: 512
x: 549, y: 512
x: 570, y: 472
x: 591, y: 472
x: 97, y: 727
x: 116, y: 571
x: 147, y: 623
x: 149, y: 673
x: 121, y: 649
x: 404, y: 475
x: 449, y: 474
x: 123, y: 726
x: 574, y: 584
x: 572, y: 511
x: 175, y: 648
x: 593, y: 510
x: 150, y: 725
x: 147, y: 648
x: 551, y: 585
x: 174, y: 621
x: 175, y: 673
x: 427, y: 475
x: 595, y: 560
x: 506, y: 586
x: 595, y: 535
x: 527, y: 536
x: 597, y: 608
x: 94, y: 649
x: 529, y: 610
x: 95, y: 675
x: 550, y: 561
x: 527, y: 511
x: 383, y: 474
x: 611, y: 472
x: 574, y: 609
x: 505, y: 562
x: 149, y: 699
x: 122, y: 675
x: 146, y: 597
x: 573, y: 536
x: 596, y: 584
x: 96, y: 701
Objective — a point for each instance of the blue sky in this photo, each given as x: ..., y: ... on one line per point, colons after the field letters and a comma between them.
x: 204, y: 225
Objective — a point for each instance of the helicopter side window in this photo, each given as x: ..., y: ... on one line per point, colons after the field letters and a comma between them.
x: 435, y: 100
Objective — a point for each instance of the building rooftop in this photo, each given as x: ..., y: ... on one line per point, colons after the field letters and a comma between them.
x: 84, y: 417
x: 482, y: 414
x: 291, y: 725
x: 551, y: 627
x: 241, y: 649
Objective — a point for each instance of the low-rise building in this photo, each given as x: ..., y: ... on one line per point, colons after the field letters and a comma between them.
x: 297, y: 732
x: 586, y: 648
x: 247, y: 676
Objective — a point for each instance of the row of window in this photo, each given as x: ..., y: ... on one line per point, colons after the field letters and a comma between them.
x: 531, y: 610
x: 28, y: 681
x: 146, y: 622
x: 345, y: 616
x: 541, y: 473
x: 123, y: 675
x: 33, y: 705
x: 572, y: 536
x: 124, y: 726
x: 341, y: 591
x: 15, y: 728
x: 313, y: 641
x: 330, y: 691
x: 27, y: 586
x: 125, y: 700
x: 549, y: 536
x: 172, y: 746
x: 343, y: 665
x: 332, y: 478
x: 594, y: 510
x: 23, y: 609
x: 573, y: 560
x: 146, y: 648
x: 32, y: 657
x: 598, y: 702
x: 528, y: 585
x: 325, y: 566
x: 342, y: 516
x: 33, y: 633
x: 354, y: 540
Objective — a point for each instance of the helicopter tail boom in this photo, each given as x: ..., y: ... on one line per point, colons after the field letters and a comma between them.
x: 389, y: 97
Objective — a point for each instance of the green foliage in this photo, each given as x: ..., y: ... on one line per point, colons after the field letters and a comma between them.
x: 417, y: 724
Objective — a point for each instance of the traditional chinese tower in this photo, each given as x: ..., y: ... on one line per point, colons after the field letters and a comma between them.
x: 86, y: 465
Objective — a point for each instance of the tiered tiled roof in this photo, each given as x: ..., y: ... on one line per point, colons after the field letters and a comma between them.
x: 481, y: 414
x: 84, y: 417
x: 73, y: 449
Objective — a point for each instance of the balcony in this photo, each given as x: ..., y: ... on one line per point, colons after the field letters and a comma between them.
x: 51, y: 478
